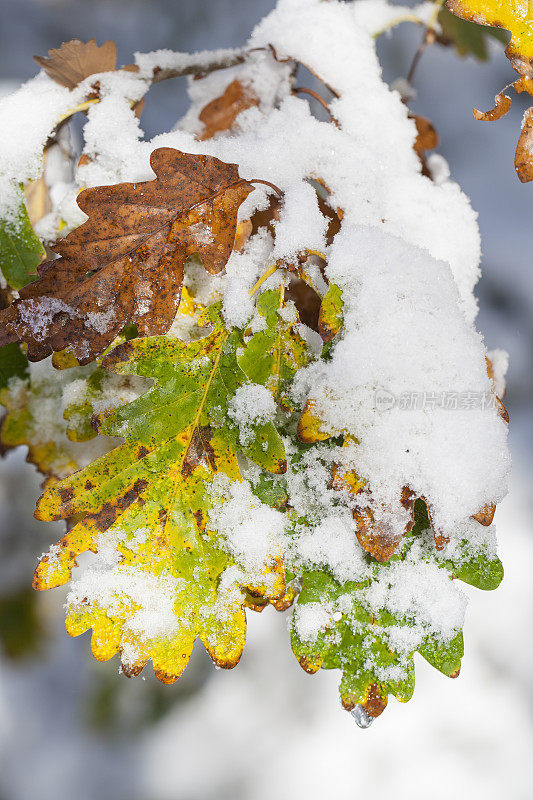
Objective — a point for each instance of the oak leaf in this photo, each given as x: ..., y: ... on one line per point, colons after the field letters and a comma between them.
x: 221, y: 113
x: 20, y: 249
x: 75, y: 60
x: 427, y: 138
x: 355, y: 639
x: 126, y: 263
x: 502, y: 104
x: 468, y: 38
x: 523, y: 160
x: 503, y: 14
x: 177, y: 437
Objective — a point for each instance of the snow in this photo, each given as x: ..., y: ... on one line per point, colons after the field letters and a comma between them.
x: 421, y: 592
x: 170, y: 60
x: 309, y: 620
x: 409, y: 338
x: 252, y: 404
x: 250, y: 530
x: 148, y: 599
x: 500, y: 364
x: 299, y: 216
x: 32, y: 111
x: 331, y: 544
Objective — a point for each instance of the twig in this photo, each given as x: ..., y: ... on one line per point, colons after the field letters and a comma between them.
x: 429, y: 38
x: 316, y: 96
x: 267, y: 183
x: 397, y: 21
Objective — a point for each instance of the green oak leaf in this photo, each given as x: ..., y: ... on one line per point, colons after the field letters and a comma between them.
x: 272, y: 355
x: 177, y: 438
x: 20, y: 249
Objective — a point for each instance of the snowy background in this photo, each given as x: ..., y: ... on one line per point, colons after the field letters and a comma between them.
x: 72, y: 728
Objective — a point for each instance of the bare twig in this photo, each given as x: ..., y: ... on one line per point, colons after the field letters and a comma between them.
x: 316, y: 96
x: 429, y: 38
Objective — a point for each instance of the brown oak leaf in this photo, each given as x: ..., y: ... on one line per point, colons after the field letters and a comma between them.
x: 126, y: 263
x: 523, y: 160
x: 379, y: 538
x: 221, y: 113
x: 427, y: 138
x: 502, y: 104
x: 75, y: 60
x: 486, y: 514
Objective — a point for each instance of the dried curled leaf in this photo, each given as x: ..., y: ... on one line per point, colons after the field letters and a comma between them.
x: 486, y: 514
x: 502, y: 104
x: 177, y: 437
x: 523, y: 159
x: 427, y: 138
x: 75, y: 60
x: 221, y: 113
x: 111, y: 268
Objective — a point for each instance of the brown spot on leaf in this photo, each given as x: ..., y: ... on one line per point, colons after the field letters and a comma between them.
x: 374, y: 703
x: 309, y: 667
x: 65, y: 493
x: 132, y: 670
x: 199, y: 517
x: 109, y: 512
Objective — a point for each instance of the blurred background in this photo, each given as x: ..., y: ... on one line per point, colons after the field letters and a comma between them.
x: 72, y: 728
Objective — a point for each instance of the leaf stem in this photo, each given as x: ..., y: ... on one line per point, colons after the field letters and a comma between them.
x: 428, y: 39
x: 82, y: 107
x: 267, y: 183
x: 270, y: 271
x: 318, y: 98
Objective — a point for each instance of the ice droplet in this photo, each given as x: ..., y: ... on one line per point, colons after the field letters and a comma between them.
x: 362, y: 718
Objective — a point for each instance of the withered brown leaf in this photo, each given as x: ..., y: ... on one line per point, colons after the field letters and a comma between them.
x: 221, y: 113
x: 427, y: 138
x: 502, y: 104
x: 75, y: 60
x: 126, y: 263
x: 486, y: 514
x: 523, y: 160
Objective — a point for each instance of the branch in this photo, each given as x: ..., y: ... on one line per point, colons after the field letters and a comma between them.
x: 164, y: 64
